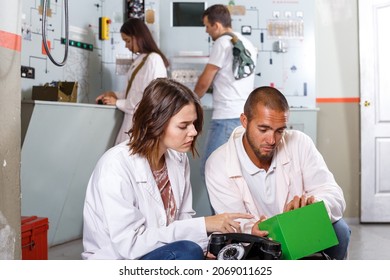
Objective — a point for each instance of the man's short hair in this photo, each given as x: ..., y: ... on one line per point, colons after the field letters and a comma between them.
x: 218, y: 13
x: 269, y: 97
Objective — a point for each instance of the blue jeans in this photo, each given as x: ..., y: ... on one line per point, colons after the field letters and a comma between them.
x: 343, y: 233
x: 218, y: 134
x: 179, y: 250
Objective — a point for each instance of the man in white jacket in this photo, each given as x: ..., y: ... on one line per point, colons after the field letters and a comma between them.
x: 265, y: 169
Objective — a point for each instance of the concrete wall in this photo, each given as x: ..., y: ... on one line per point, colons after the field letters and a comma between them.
x: 10, y: 130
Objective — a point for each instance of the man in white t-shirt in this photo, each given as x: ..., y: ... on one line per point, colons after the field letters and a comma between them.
x: 229, y: 93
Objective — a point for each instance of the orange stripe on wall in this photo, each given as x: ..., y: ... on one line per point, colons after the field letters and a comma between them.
x: 339, y: 100
x: 10, y: 41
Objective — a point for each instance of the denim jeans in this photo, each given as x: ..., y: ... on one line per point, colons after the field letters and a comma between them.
x: 218, y: 134
x: 343, y: 233
x: 179, y: 250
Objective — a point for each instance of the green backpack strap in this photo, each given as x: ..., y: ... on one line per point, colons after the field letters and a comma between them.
x: 243, y: 65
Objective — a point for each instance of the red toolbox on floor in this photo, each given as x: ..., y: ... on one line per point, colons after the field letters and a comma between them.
x: 34, y: 238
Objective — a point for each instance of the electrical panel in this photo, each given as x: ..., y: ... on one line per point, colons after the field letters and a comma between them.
x: 282, y: 32
x: 90, y: 60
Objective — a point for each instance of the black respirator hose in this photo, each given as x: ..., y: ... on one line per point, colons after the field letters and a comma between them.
x: 66, y: 33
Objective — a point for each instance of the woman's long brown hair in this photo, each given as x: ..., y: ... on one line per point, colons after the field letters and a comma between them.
x: 162, y: 99
x: 137, y: 27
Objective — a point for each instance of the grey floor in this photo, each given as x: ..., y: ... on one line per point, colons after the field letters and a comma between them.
x: 368, y: 242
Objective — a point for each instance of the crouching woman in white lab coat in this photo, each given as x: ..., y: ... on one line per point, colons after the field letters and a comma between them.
x: 138, y: 202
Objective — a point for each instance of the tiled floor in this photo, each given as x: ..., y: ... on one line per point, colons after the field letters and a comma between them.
x: 368, y: 242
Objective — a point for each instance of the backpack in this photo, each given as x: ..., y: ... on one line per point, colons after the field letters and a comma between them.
x: 243, y: 65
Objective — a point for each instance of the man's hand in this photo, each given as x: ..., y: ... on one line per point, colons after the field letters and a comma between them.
x: 205, y: 79
x: 298, y: 202
x: 255, y: 229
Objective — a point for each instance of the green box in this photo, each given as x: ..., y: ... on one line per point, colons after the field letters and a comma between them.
x: 302, y: 232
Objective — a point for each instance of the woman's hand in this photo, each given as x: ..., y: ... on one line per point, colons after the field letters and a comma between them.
x: 107, y: 98
x: 225, y: 223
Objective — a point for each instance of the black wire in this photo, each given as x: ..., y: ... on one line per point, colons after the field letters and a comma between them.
x: 66, y: 34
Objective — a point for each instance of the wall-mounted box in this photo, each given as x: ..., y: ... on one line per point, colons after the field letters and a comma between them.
x: 104, y: 28
x: 186, y: 14
x: 57, y: 91
x: 27, y: 72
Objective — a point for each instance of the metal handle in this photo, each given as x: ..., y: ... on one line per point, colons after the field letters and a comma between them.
x: 31, y: 245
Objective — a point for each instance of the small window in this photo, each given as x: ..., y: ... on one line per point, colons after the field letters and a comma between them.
x: 187, y: 13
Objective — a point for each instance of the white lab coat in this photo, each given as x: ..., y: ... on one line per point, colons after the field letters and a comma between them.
x: 300, y: 169
x: 153, y: 68
x: 124, y: 216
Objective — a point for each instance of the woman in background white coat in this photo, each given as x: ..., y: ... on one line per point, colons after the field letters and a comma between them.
x: 149, y: 64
